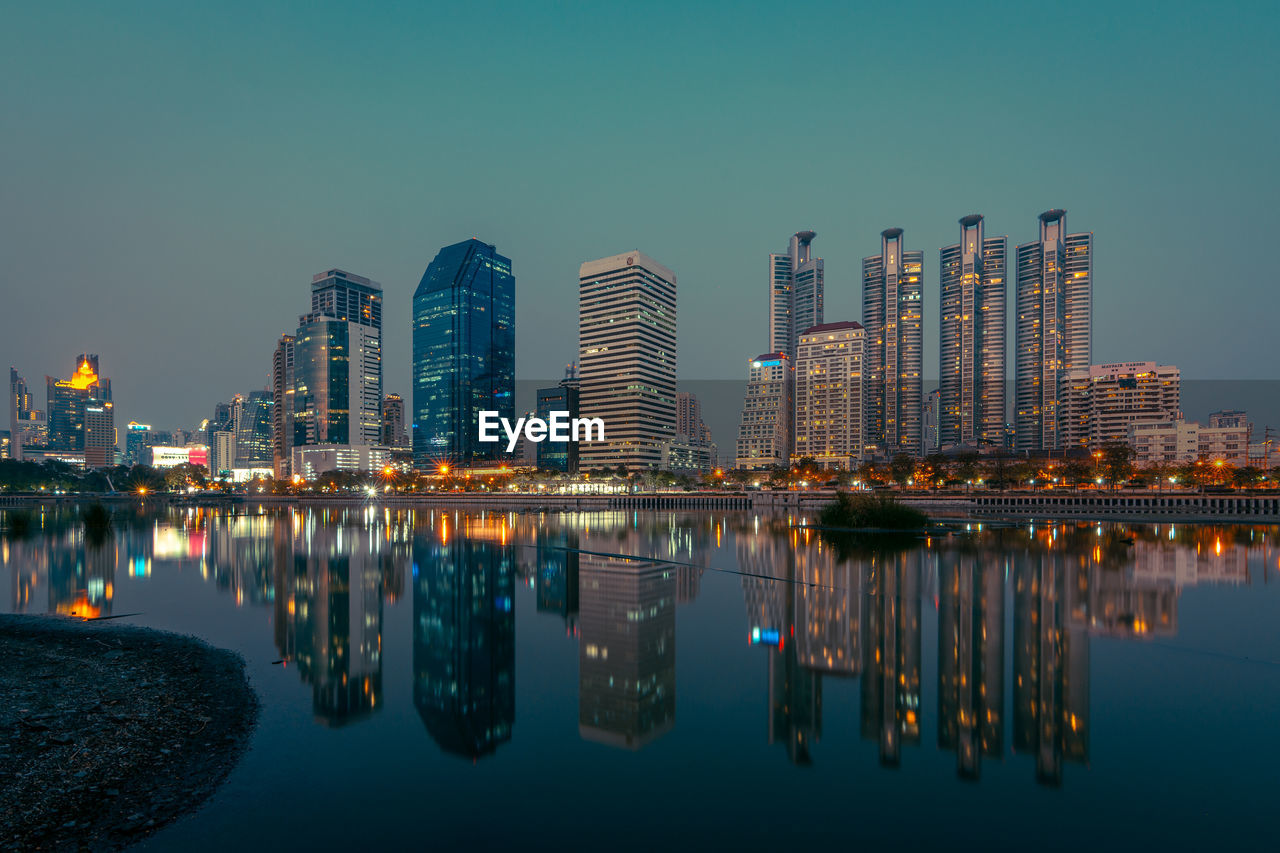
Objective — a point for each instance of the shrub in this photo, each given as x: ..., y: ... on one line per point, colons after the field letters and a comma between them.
x: 879, y: 512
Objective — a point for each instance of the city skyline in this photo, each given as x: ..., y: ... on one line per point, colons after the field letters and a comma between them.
x: 704, y: 196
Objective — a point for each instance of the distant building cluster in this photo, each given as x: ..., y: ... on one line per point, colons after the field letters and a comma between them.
x: 839, y: 393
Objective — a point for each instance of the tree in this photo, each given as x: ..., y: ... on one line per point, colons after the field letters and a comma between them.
x: 1117, y: 463
x: 901, y: 468
x: 967, y: 467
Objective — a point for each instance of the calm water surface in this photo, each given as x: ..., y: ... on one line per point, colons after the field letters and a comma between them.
x: 437, y: 679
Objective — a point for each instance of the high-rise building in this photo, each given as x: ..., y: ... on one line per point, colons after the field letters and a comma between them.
x: 137, y: 438
x: 559, y: 455
x: 337, y: 370
x: 795, y: 293
x: 829, y: 395
x: 764, y: 433
x: 689, y: 417
x: 973, y: 287
x: 1053, y: 329
x: 1102, y: 404
x: 893, y: 314
x: 28, y: 427
x: 691, y: 448
x: 393, y: 434
x: 464, y: 346
x: 932, y: 407
x: 81, y: 415
x: 627, y: 358
x: 282, y: 367
x: 346, y: 296
x: 254, y: 431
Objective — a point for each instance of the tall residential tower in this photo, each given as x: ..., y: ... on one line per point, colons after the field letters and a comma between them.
x: 893, y: 314
x: 973, y: 288
x: 1054, y: 328
x: 795, y: 293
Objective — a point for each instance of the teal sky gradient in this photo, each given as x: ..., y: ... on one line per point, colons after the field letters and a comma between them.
x: 175, y: 173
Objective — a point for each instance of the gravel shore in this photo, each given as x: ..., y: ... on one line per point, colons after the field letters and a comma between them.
x: 108, y: 732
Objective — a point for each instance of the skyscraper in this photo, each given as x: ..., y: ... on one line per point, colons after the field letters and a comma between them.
x: 337, y: 367
x: 795, y: 293
x: 1054, y: 327
x: 254, y: 438
x: 627, y: 357
x: 559, y: 455
x: 464, y: 320
x: 972, y: 285
x: 282, y: 365
x: 764, y: 433
x: 81, y: 415
x: 27, y: 425
x: 393, y: 421
x: 893, y: 314
x: 829, y: 400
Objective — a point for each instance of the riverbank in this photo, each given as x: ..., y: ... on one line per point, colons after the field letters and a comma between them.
x: 108, y: 732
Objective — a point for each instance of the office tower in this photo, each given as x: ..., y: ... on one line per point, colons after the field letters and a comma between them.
x: 764, y: 432
x: 393, y: 434
x: 891, y: 646
x: 464, y: 345
x: 795, y: 293
x: 81, y: 415
x: 223, y: 418
x: 893, y: 314
x: 627, y: 651
x: 254, y: 428
x: 1102, y: 404
x: 970, y: 658
x: 972, y: 286
x: 464, y: 639
x: 28, y: 428
x: 829, y: 395
x: 282, y: 367
x: 137, y: 438
x: 346, y: 296
x: 1053, y: 327
x: 337, y: 376
x: 222, y: 453
x: 559, y: 455
x: 627, y: 344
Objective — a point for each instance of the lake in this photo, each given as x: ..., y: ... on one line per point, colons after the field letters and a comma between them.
x: 551, y: 680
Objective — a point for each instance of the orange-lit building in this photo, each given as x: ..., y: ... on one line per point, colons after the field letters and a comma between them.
x: 81, y: 415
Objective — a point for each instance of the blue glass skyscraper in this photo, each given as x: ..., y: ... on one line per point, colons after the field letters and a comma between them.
x: 464, y: 319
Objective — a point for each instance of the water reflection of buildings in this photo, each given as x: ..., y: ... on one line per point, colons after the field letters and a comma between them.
x: 891, y: 666
x: 627, y: 651
x: 970, y: 656
x: 556, y: 558
x: 464, y: 634
x: 82, y: 577
x: 328, y: 587
x: 1051, y: 659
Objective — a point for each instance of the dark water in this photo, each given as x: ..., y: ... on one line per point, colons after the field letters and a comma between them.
x: 680, y: 680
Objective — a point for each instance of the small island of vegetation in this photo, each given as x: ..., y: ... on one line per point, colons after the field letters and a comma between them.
x: 870, y: 512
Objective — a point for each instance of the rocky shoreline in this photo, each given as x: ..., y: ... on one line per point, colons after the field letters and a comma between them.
x: 109, y: 732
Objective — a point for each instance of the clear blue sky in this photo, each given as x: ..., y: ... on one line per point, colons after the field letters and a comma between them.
x: 175, y: 173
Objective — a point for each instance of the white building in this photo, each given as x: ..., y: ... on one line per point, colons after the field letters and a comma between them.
x: 1102, y: 404
x: 764, y: 433
x: 312, y: 460
x: 1177, y: 441
x: 829, y: 395
x: 627, y: 359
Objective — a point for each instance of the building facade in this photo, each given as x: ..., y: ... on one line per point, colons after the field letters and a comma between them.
x: 393, y: 434
x: 464, y: 313
x: 795, y: 293
x: 559, y: 455
x: 81, y: 415
x: 893, y: 314
x: 1102, y: 404
x: 830, y: 407
x: 627, y: 358
x: 1053, y: 329
x: 765, y: 430
x: 972, y: 346
x: 282, y: 393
